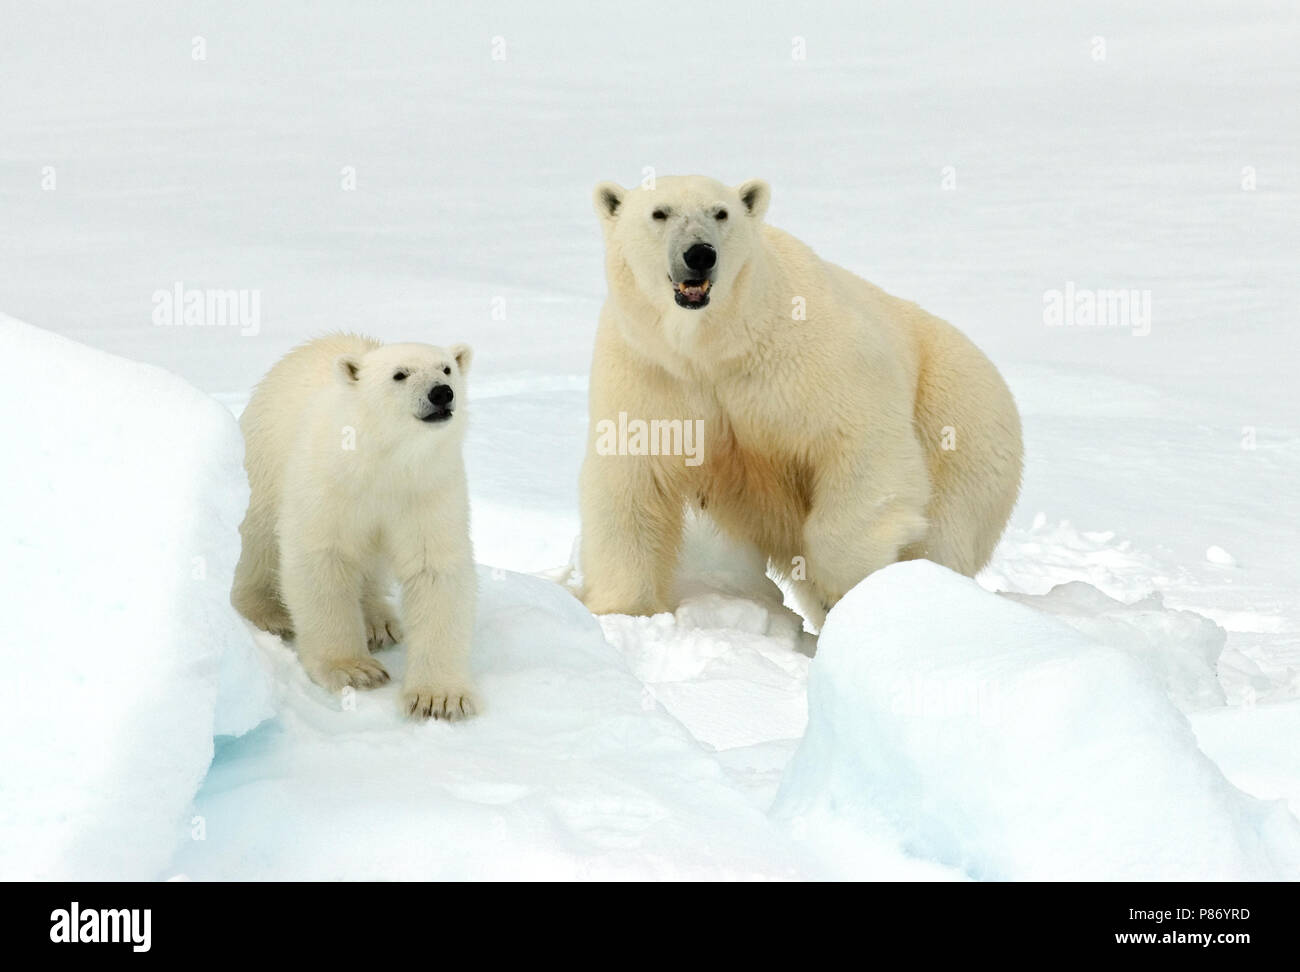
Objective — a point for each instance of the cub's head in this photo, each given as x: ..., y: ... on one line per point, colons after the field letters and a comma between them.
x: 409, y: 389
x: 685, y: 240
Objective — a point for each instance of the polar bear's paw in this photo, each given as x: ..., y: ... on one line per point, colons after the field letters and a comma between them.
x: 602, y: 603
x: 272, y: 618
x: 280, y: 626
x: 382, y: 630
x: 452, y: 703
x: 362, y: 673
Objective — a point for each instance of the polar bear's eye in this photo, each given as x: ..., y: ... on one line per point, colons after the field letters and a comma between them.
x: 720, y: 215
x: 660, y: 214
x: 400, y: 375
x: 446, y: 369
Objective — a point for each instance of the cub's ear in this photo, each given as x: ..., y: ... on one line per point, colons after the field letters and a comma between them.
x: 463, y: 355
x: 347, y: 369
x: 608, y: 199
x: 755, y: 194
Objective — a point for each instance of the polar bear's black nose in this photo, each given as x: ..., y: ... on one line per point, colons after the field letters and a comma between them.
x: 700, y: 256
x: 441, y: 395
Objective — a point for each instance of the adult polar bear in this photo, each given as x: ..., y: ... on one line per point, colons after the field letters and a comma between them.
x: 843, y: 429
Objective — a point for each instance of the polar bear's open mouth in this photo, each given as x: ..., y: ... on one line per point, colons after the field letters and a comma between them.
x: 437, y: 415
x: 692, y: 293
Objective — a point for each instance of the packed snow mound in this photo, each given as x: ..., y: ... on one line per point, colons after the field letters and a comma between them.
x: 1181, y: 647
x: 572, y: 770
x: 1258, y: 747
x: 996, y: 739
x: 124, y: 493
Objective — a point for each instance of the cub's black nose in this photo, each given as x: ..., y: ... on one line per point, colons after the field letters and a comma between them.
x: 441, y: 395
x: 700, y: 256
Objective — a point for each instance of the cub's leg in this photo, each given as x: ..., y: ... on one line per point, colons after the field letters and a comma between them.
x: 382, y: 626
x: 438, y: 608
x: 322, y: 588
x: 255, y: 592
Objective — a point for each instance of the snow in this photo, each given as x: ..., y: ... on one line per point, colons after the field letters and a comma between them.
x: 573, y: 771
x: 117, y: 526
x: 1167, y: 166
x: 995, y: 739
x: 1256, y: 746
x: 1217, y: 555
x: 1181, y: 647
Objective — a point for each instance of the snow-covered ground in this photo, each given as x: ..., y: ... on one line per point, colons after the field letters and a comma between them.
x: 422, y: 172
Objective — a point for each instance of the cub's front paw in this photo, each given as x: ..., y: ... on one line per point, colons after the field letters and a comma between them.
x: 281, y: 627
x: 451, y: 702
x: 273, y: 619
x: 362, y: 673
x: 382, y: 630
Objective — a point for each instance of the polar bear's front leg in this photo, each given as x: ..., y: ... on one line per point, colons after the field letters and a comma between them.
x: 382, y: 627
x: 438, y: 615
x: 322, y: 589
x: 867, y: 509
x: 631, y: 534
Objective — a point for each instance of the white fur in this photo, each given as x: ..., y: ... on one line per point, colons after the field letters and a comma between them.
x: 824, y: 437
x: 351, y: 491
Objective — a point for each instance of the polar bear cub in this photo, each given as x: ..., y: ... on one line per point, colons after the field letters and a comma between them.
x: 353, y: 453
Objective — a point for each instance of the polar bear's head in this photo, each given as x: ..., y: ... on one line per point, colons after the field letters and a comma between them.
x: 686, y: 239
x: 404, y: 386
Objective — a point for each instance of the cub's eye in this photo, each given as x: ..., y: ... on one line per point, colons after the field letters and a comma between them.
x: 720, y: 215
x: 400, y: 375
x: 446, y: 369
x: 660, y: 215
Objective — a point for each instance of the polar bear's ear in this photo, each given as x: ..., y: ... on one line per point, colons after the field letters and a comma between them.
x: 348, y: 369
x: 608, y: 199
x: 755, y: 194
x: 463, y: 355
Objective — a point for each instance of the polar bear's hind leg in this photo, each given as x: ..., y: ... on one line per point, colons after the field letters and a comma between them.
x: 256, y: 591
